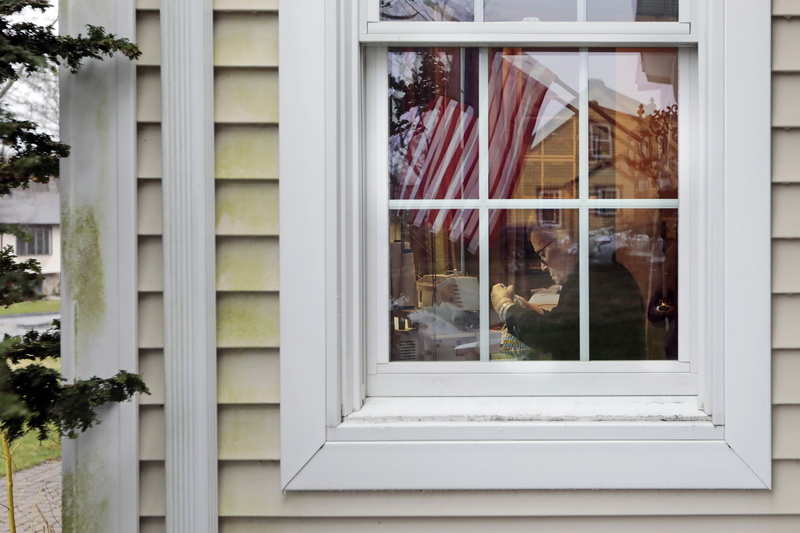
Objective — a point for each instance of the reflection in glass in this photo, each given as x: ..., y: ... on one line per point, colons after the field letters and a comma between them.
x: 533, y: 123
x: 632, y: 10
x: 536, y: 252
x: 530, y: 10
x: 433, y: 123
x: 633, y: 259
x: 428, y: 10
x: 633, y: 123
x: 435, y: 297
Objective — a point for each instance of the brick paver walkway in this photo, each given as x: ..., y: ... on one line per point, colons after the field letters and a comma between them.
x: 37, y: 497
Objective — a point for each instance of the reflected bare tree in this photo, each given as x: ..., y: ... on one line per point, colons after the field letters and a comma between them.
x: 429, y: 10
x: 416, y: 80
x: 656, y: 154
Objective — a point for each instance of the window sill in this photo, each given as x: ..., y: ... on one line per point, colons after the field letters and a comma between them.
x: 530, y: 418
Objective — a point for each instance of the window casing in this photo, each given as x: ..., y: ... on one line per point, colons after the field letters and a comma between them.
x: 449, y: 440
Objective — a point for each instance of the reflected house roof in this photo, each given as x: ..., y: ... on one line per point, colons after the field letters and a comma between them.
x: 629, y: 116
x: 603, y: 97
x: 39, y: 204
x: 656, y: 73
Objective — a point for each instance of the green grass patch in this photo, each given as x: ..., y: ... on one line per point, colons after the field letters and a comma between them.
x: 28, y: 451
x: 35, y: 306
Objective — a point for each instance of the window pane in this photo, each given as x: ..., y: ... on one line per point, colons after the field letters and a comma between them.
x: 533, y: 123
x: 633, y: 284
x: 426, y: 10
x: 434, y: 266
x: 548, y: 279
x: 632, y: 10
x: 633, y: 123
x: 433, y: 123
x: 542, y: 10
x: 36, y: 242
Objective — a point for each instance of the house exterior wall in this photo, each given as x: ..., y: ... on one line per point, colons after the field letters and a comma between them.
x: 250, y: 498
x: 36, y: 206
x: 50, y: 263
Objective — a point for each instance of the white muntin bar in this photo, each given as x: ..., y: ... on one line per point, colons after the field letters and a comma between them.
x: 478, y: 7
x: 539, y: 203
x: 583, y: 194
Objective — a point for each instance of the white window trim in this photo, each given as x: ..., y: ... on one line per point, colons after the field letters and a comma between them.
x: 319, y: 381
x: 98, y: 108
x: 190, y: 343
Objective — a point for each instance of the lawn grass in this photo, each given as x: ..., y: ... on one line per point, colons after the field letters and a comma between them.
x: 35, y: 306
x: 28, y: 451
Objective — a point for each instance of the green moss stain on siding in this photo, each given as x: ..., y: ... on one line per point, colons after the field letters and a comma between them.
x: 246, y: 151
x: 246, y: 208
x: 249, y: 432
x: 247, y: 264
x: 83, y: 260
x: 247, y: 320
x: 85, y: 502
x: 246, y: 95
x: 247, y: 376
x: 246, y: 39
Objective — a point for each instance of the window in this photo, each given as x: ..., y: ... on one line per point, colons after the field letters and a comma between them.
x: 36, y: 242
x: 495, y: 141
x: 482, y: 155
x: 600, y: 142
x: 408, y: 183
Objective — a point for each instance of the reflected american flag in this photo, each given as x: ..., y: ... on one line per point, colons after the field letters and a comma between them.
x: 442, y: 145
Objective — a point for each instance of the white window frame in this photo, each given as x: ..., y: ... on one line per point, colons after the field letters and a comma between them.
x: 515, y: 443
x: 524, y: 378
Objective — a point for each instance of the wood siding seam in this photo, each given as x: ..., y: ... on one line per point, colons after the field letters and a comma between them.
x: 235, y: 123
x: 785, y: 112
x: 786, y: 7
x: 152, y: 485
x: 248, y: 320
x: 253, y: 405
x: 249, y: 488
x: 248, y: 376
x: 245, y: 95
